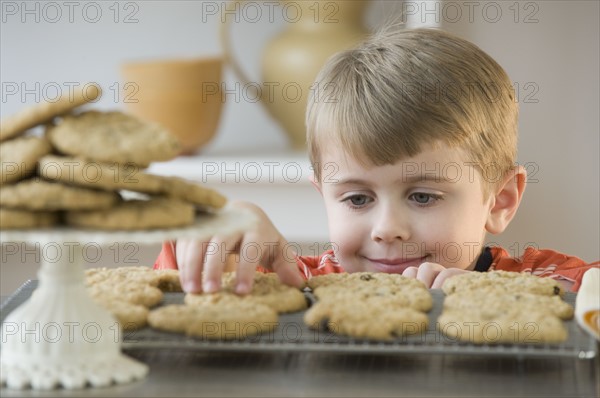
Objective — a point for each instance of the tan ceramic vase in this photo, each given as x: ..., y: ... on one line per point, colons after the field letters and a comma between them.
x: 315, y: 30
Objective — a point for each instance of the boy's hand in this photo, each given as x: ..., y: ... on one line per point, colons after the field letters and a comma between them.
x: 431, y: 274
x: 202, y: 263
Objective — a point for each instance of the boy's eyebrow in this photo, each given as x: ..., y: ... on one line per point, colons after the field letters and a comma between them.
x: 438, y: 178
x: 349, y: 181
x: 426, y: 177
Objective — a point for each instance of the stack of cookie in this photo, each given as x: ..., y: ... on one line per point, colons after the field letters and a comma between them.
x: 368, y: 305
x: 226, y: 315
x: 504, y: 307
x: 86, y: 164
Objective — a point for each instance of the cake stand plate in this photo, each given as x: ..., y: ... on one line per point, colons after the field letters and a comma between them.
x: 60, y: 337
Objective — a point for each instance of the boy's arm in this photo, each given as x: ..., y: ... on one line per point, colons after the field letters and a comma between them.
x: 201, y: 269
x: 309, y: 266
x: 166, y: 258
x: 324, y: 264
x: 568, y: 270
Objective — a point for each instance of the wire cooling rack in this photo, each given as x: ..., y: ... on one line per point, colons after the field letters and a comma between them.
x: 292, y: 334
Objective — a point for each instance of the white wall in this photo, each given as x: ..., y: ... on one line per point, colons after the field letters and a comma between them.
x: 550, y: 49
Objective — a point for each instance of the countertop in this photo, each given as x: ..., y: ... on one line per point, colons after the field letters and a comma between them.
x: 186, y: 373
x: 228, y: 374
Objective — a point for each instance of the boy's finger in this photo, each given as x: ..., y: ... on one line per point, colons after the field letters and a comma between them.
x: 215, y: 259
x: 250, y: 254
x: 410, y: 272
x: 190, y: 258
x: 288, y: 272
x: 428, y: 272
x: 444, y: 275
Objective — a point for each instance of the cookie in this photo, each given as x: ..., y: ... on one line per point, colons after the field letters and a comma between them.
x: 511, y: 325
x: 192, y: 192
x: 504, y: 307
x: 377, y: 319
x: 166, y: 280
x: 19, y: 157
x: 403, y: 291
x: 267, y: 290
x: 135, y: 215
x: 129, y: 292
x: 24, y: 219
x: 495, y: 301
x: 115, y: 176
x: 36, y: 194
x: 46, y: 111
x: 99, y: 175
x: 130, y: 316
x: 220, y: 317
x: 508, y: 281
x: 113, y: 137
x: 369, y: 305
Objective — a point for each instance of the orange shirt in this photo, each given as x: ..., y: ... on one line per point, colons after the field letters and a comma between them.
x: 543, y: 263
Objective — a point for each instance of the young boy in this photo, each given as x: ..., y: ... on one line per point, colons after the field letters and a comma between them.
x: 412, y: 136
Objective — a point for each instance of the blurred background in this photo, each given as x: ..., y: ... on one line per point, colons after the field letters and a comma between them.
x: 550, y: 49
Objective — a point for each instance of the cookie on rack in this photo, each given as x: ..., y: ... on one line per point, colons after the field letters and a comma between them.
x: 505, y: 280
x: 221, y: 317
x: 496, y: 300
x: 130, y: 316
x: 167, y: 280
x: 113, y: 137
x: 369, y: 305
x: 132, y: 215
x: 405, y: 292
x: 115, y: 176
x: 513, y: 325
x: 375, y: 318
x: 267, y: 290
x: 44, y: 112
x: 129, y: 292
x: 36, y: 194
x: 19, y: 157
x: 25, y: 219
x: 504, y: 307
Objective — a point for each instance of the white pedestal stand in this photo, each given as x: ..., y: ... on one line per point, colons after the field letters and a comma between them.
x: 60, y: 337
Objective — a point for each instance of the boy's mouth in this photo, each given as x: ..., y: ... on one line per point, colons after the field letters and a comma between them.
x: 395, y: 265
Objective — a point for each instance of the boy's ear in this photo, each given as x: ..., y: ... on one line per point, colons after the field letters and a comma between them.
x: 506, y: 200
x: 315, y: 183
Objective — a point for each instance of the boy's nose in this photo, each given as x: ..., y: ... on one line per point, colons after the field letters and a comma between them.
x: 389, y: 226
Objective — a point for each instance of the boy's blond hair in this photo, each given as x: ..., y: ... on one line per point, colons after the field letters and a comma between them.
x: 403, y: 90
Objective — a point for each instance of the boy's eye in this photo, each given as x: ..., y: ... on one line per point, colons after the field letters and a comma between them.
x: 357, y: 200
x: 424, y: 198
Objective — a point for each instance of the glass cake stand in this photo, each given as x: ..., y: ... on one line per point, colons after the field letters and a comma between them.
x: 60, y: 337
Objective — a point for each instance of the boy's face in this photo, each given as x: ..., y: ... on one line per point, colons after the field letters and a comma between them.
x: 429, y: 208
